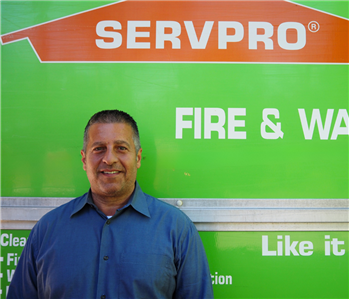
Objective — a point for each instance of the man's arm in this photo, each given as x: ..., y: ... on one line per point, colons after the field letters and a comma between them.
x: 193, y: 273
x: 24, y: 282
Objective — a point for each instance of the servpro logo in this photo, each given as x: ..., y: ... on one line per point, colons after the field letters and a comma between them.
x: 170, y: 31
x: 191, y: 31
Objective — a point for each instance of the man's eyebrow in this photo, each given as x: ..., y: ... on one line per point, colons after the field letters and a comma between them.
x: 122, y: 142
x: 116, y: 142
x: 97, y: 143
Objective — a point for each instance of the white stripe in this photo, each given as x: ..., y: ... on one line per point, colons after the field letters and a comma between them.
x: 208, y: 62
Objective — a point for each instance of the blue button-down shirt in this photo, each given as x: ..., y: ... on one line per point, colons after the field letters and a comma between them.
x: 148, y: 249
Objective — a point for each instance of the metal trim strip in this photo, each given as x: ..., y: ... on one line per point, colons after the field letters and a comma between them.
x: 213, y: 214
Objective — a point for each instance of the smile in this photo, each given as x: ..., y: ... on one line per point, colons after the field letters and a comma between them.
x: 111, y: 172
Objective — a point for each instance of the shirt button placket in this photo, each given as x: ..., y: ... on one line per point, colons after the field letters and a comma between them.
x: 105, y: 240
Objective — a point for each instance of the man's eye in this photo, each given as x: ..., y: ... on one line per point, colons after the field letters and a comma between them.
x: 122, y: 148
x: 97, y: 149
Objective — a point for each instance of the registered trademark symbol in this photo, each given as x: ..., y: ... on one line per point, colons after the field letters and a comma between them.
x: 313, y: 26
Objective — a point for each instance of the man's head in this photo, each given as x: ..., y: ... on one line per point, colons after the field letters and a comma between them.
x: 113, y: 116
x: 111, y: 154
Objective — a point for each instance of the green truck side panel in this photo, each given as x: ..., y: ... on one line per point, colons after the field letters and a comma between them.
x: 336, y: 7
x: 52, y: 102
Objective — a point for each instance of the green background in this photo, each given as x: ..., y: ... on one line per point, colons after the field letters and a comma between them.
x: 45, y: 106
x: 257, y: 276
x: 7, y: 266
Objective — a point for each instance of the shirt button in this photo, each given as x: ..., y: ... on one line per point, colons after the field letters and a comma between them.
x: 108, y: 222
x: 103, y: 297
x: 106, y: 257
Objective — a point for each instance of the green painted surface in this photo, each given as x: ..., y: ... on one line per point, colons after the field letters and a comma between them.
x: 336, y: 7
x: 12, y: 243
x: 239, y: 254
x: 46, y: 106
x: 240, y: 270
x: 37, y: 12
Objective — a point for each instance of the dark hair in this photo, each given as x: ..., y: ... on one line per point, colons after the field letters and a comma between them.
x: 113, y: 116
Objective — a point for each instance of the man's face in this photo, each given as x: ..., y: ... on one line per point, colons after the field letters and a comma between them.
x: 110, y: 160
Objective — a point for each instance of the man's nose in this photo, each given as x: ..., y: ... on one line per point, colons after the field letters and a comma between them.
x: 110, y: 157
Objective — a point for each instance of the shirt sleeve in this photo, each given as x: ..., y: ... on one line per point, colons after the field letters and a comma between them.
x: 193, y: 273
x: 24, y: 281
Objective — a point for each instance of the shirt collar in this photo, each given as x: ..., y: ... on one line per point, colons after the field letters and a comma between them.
x: 137, y: 200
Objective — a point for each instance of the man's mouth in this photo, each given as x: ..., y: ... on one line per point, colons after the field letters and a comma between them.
x: 111, y: 172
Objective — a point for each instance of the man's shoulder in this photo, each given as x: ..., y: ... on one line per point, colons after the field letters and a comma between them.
x: 63, y: 211
x: 159, y: 207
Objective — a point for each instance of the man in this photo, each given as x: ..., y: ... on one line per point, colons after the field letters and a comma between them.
x: 114, y: 241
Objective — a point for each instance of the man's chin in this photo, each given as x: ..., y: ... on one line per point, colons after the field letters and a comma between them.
x: 115, y: 192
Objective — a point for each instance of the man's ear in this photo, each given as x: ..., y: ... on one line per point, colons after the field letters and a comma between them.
x: 83, y: 159
x: 139, y: 158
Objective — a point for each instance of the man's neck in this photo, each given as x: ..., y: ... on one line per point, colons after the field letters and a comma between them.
x: 108, y: 204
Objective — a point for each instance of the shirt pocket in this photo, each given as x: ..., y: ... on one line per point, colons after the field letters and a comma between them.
x: 146, y: 275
